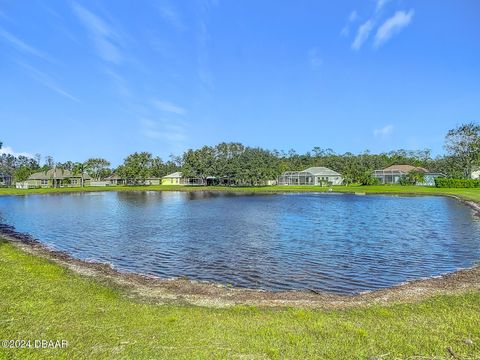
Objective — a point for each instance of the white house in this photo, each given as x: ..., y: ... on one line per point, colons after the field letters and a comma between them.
x: 476, y: 173
x: 311, y: 176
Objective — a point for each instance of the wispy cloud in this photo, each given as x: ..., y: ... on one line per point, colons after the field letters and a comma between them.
x: 351, y: 18
x: 169, y: 107
x: 204, y: 72
x: 119, y: 83
x: 381, y: 4
x: 363, y: 33
x: 393, y: 26
x: 172, y: 132
x: 9, y: 151
x: 171, y: 16
x: 203, y: 36
x: 384, y: 132
x: 47, y: 81
x: 105, y: 39
x: 314, y: 58
x: 20, y: 45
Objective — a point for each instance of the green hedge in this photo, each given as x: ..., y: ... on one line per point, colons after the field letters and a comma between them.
x: 456, y: 183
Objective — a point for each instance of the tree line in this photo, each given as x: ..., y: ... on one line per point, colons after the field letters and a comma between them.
x: 234, y: 163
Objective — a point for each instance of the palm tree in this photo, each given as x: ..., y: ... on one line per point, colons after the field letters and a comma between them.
x: 80, y: 169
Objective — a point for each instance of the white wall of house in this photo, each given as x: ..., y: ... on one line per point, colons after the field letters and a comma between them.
x: 334, y: 180
x: 100, y: 183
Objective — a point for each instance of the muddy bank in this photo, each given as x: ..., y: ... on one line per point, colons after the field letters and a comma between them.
x: 184, y: 291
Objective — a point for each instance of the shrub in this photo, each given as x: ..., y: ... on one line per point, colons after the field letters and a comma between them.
x: 456, y: 183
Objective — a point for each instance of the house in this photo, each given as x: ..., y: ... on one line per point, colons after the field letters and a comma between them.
x: 152, y: 181
x: 393, y: 174
x: 311, y: 176
x: 54, y: 178
x: 5, y: 179
x: 177, y: 178
x: 114, y: 180
x: 476, y: 173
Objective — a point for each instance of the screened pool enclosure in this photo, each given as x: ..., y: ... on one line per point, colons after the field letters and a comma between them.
x: 312, y: 176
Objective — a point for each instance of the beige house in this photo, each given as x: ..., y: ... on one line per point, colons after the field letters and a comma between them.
x: 114, y: 179
x: 54, y: 178
x: 393, y: 174
x: 177, y: 178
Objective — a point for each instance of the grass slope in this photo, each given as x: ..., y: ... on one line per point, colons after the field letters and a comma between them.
x: 41, y: 300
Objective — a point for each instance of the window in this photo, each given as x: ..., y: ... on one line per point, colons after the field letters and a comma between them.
x: 74, y: 181
x: 44, y: 182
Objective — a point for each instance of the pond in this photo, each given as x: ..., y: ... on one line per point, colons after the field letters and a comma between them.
x: 327, y: 242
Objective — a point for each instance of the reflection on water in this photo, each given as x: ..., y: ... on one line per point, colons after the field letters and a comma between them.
x: 332, y: 242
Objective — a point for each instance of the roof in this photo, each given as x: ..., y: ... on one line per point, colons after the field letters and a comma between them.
x: 320, y: 170
x: 55, y: 174
x: 177, y: 174
x: 405, y: 168
x: 114, y: 177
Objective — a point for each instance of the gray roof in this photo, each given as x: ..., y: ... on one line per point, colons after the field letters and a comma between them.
x: 114, y: 177
x: 177, y: 174
x: 321, y: 171
x: 55, y: 174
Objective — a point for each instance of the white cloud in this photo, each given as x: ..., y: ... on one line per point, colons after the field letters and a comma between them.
x: 345, y: 31
x: 9, y: 151
x: 353, y: 16
x: 48, y: 81
x: 363, y: 33
x: 173, y: 133
x: 169, y: 107
x: 381, y: 4
x: 392, y: 26
x: 384, y: 132
x: 120, y: 84
x: 169, y: 14
x: 104, y: 38
x: 21, y: 45
x: 314, y: 58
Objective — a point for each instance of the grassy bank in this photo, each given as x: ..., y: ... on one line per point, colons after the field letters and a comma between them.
x: 468, y: 194
x: 41, y: 300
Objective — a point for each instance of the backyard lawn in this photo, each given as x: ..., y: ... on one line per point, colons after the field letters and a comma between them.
x: 42, y: 300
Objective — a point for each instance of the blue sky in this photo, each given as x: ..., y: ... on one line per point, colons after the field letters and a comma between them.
x: 88, y: 78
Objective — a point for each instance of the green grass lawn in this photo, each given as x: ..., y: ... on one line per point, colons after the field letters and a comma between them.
x: 470, y: 194
x: 42, y: 300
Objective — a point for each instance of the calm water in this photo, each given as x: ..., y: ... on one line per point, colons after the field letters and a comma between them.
x: 338, y: 243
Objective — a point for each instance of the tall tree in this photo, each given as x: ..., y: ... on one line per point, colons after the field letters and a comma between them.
x: 463, y: 143
x: 49, y: 162
x: 137, y: 167
x: 97, y: 168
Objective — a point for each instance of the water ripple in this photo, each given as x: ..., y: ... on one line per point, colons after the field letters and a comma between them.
x: 338, y: 243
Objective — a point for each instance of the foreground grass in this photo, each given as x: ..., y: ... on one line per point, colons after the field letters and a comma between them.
x: 41, y: 300
x: 468, y: 194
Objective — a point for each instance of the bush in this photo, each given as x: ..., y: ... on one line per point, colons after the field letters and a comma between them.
x: 456, y: 183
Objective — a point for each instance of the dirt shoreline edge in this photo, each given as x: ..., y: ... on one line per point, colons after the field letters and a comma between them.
x: 191, y: 292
